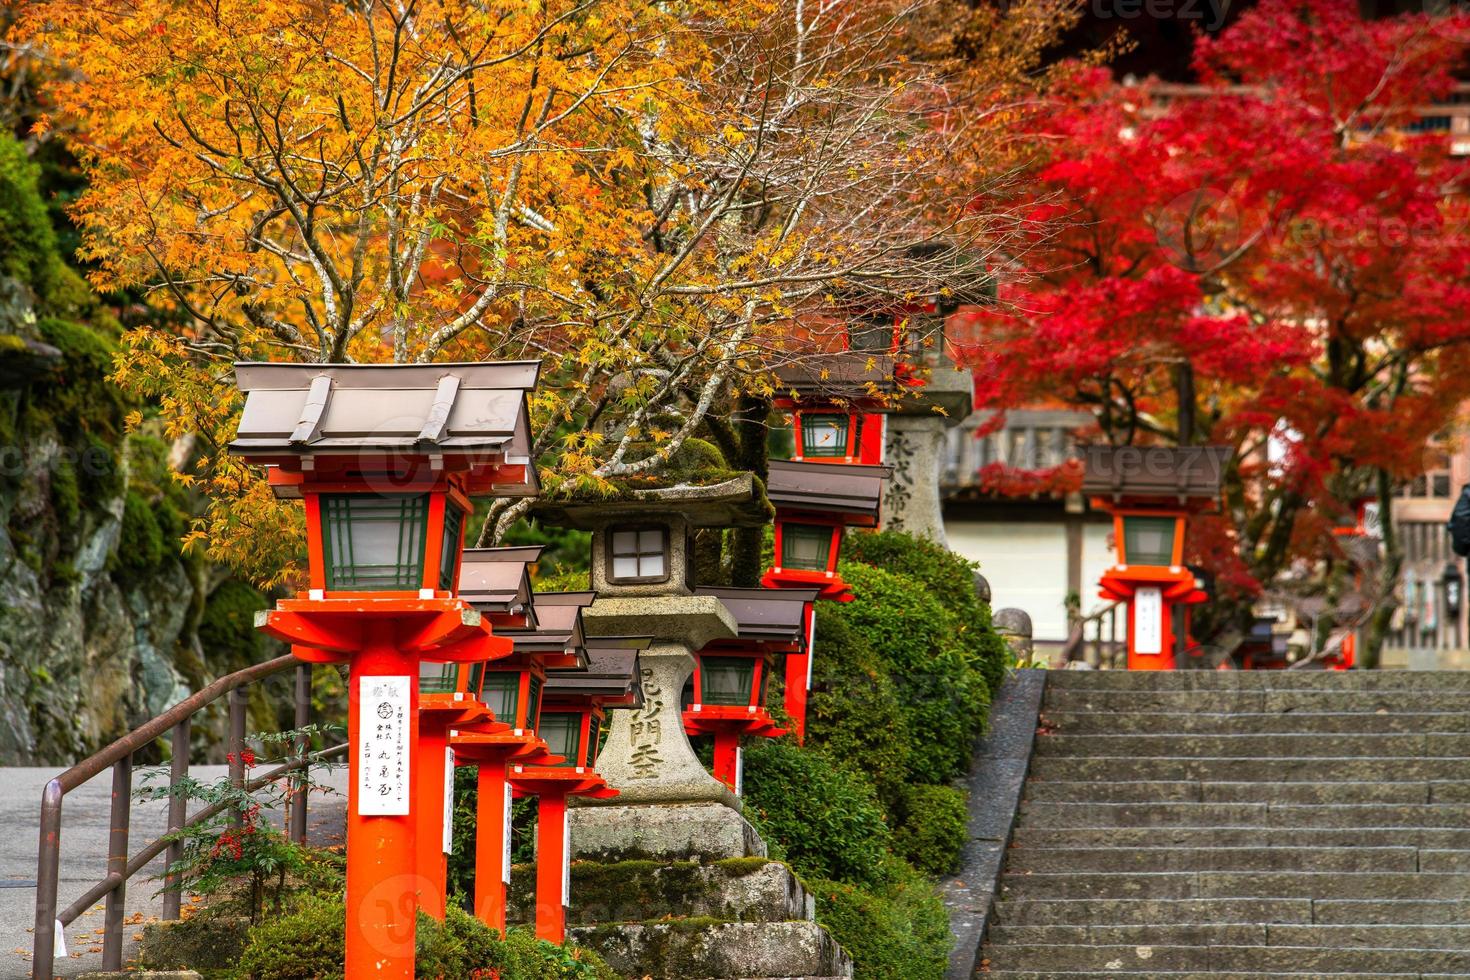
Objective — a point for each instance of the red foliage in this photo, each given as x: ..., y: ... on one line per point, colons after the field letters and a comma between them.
x: 1289, y: 236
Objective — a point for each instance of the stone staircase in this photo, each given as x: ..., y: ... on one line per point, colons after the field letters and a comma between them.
x: 1238, y: 825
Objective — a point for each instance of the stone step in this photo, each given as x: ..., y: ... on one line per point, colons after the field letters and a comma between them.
x: 1303, y: 911
x: 1226, y: 859
x: 1248, y: 770
x: 1251, y: 723
x: 1191, y: 975
x: 1235, y: 884
x: 1448, y: 937
x: 1122, y: 911
x: 1263, y: 815
x: 1427, y: 837
x: 1194, y: 680
x: 1196, y: 791
x: 1279, y: 746
x: 1258, y: 959
x: 696, y: 949
x: 732, y: 889
x: 1256, y: 701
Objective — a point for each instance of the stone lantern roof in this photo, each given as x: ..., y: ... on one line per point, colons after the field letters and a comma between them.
x: 736, y: 501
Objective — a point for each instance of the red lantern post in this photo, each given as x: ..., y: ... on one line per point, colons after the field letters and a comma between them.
x: 384, y: 459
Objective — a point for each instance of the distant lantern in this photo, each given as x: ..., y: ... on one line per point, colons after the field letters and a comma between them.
x: 385, y: 459
x: 1151, y: 491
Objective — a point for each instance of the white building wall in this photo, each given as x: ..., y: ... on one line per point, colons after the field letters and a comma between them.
x: 1026, y: 566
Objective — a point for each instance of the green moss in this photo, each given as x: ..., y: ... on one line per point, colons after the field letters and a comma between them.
x: 28, y: 251
x: 66, y: 495
x: 227, y: 630
x: 140, y: 548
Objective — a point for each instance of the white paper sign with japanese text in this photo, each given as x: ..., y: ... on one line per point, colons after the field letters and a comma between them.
x: 383, y: 753
x: 1148, y: 620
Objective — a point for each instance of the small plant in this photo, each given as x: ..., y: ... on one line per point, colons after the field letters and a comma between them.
x: 235, y: 853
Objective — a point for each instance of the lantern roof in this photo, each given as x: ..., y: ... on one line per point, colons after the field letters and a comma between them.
x: 840, y: 375
x: 733, y: 502
x: 558, y: 625
x: 1186, y: 475
x: 777, y: 615
x: 846, y: 489
x: 498, y: 580
x: 472, y: 414
x: 611, y: 675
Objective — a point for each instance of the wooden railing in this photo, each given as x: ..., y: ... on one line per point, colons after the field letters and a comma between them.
x: 175, y: 723
x: 1105, y: 649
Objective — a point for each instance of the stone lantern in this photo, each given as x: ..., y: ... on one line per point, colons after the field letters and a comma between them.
x: 642, y: 561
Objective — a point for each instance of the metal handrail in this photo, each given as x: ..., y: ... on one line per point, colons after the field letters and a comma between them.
x: 119, y: 755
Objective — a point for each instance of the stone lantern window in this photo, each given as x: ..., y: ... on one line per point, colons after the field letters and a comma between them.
x: 638, y: 555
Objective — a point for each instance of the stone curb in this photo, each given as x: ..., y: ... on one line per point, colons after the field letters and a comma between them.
x: 997, y: 774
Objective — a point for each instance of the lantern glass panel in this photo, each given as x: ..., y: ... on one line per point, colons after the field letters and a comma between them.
x: 806, y: 546
x: 726, y: 680
x: 438, y: 678
x: 826, y: 436
x: 533, y: 704
x: 594, y: 734
x: 1149, y: 540
x: 562, y: 731
x: 449, y: 550
x: 640, y: 555
x: 374, y: 543
x: 501, y: 693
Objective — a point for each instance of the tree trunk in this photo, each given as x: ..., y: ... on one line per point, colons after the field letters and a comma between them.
x: 1371, y: 653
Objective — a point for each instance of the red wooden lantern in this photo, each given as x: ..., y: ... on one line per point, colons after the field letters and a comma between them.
x: 814, y: 505
x: 1151, y: 491
x: 385, y: 459
x: 727, y: 698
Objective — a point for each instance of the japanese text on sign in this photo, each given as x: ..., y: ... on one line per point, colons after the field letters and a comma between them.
x: 383, y: 754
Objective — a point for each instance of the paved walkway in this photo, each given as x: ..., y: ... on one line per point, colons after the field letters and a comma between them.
x: 84, y: 831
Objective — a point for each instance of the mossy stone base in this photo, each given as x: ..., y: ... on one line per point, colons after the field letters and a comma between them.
x: 209, y: 943
x: 668, y: 832
x: 694, y: 949
x: 732, y: 890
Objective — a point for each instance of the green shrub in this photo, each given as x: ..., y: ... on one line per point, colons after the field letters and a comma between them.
x: 310, y: 943
x: 227, y: 630
x: 854, y: 710
x: 931, y: 828
x: 943, y: 696
x: 307, y: 944
x: 947, y: 576
x: 900, y: 932
x: 826, y: 818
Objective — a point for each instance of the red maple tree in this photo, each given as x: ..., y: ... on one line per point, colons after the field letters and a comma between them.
x: 1276, y: 260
